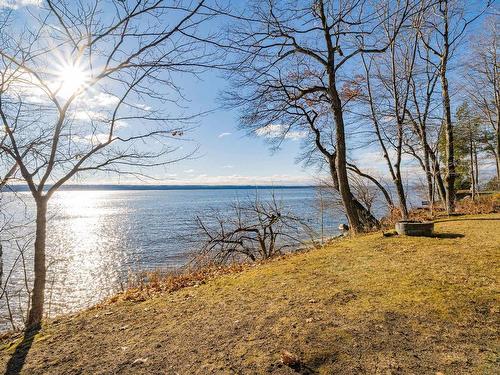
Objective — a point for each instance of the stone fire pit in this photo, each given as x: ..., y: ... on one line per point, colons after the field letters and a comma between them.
x: 415, y: 228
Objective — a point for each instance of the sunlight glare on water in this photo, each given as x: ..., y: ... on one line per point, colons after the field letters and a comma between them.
x: 95, y: 239
x: 86, y: 254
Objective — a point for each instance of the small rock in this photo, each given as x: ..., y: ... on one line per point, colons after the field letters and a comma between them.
x: 139, y: 361
x: 343, y: 227
x: 289, y: 359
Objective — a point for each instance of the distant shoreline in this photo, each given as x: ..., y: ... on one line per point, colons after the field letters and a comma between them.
x: 111, y: 187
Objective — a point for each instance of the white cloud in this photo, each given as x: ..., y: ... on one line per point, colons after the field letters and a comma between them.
x: 120, y: 124
x: 101, y: 100
x: 144, y: 107
x: 92, y: 138
x: 204, y: 179
x: 16, y: 4
x: 97, y: 116
x: 227, y: 166
x: 222, y: 135
x: 279, y: 131
x: 24, y: 84
x: 87, y: 115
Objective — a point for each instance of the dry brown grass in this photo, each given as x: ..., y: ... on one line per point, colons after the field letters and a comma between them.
x: 154, y: 283
x: 482, y: 205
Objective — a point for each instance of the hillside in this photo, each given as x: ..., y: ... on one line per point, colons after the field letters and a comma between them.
x: 372, y: 304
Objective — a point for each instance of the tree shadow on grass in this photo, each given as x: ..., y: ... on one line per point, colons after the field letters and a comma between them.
x: 448, y: 235
x: 18, y: 358
x: 468, y: 219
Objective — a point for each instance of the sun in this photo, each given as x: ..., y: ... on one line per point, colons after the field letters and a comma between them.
x: 71, y: 78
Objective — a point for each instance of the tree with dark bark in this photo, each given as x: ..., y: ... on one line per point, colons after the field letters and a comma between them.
x: 298, y: 58
x: 84, y: 88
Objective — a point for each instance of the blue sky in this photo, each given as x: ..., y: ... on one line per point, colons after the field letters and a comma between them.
x: 225, y: 154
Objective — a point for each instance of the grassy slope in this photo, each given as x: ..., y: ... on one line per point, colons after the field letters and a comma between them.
x: 372, y: 305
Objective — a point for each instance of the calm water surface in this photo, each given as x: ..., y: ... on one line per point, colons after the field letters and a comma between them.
x: 96, y: 238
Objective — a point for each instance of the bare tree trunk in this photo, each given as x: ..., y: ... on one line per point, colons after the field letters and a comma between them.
x: 450, y: 157
x: 428, y: 176
x: 472, y: 167
x: 476, y: 168
x: 431, y: 164
x: 401, y: 195
x: 439, y: 178
x: 427, y: 166
x: 397, y: 170
x: 365, y: 217
x: 37, y: 298
x: 440, y: 185
x: 450, y: 152
x: 497, y: 159
x: 341, y: 166
x: 367, y: 220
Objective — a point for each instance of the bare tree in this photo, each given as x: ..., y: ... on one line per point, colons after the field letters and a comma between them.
x: 85, y: 88
x: 388, y: 81
x: 294, y: 62
x: 251, y: 230
x: 425, y: 124
x: 15, y: 294
x: 468, y: 129
x: 441, y: 33
x: 483, y: 86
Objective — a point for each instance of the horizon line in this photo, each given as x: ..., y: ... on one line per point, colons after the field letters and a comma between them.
x: 108, y: 186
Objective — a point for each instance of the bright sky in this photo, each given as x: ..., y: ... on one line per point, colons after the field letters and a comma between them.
x: 226, y: 155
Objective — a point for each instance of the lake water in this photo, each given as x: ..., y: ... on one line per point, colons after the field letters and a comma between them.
x: 97, y: 238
